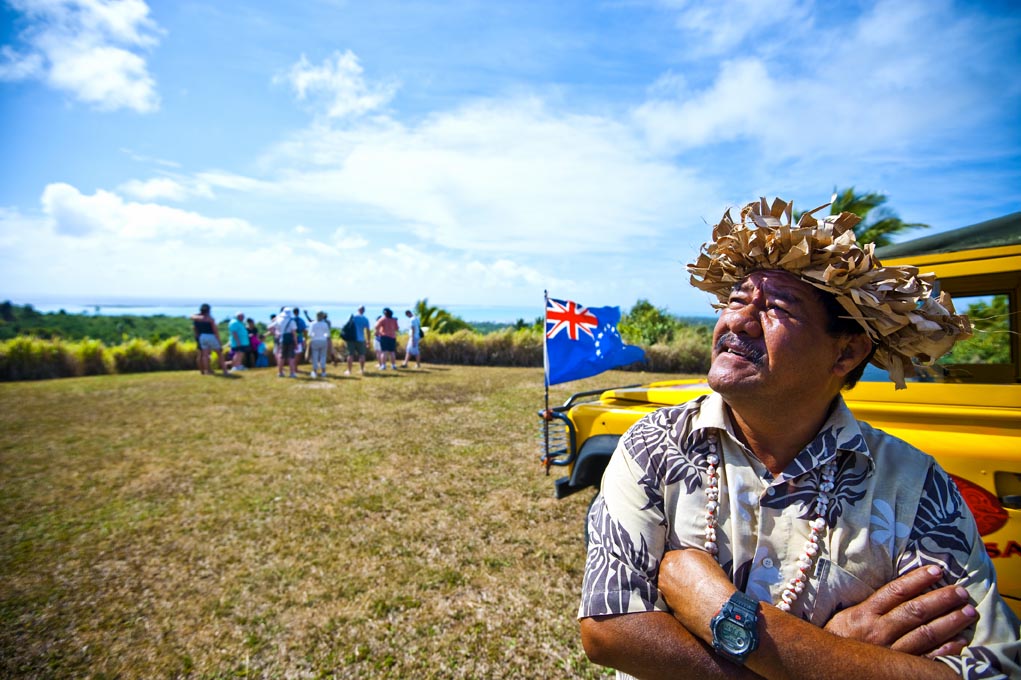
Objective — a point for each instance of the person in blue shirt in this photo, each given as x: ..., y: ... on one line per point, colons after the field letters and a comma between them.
x: 299, y: 349
x: 357, y: 346
x: 240, y: 343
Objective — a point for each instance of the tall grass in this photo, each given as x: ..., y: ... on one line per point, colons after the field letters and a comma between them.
x: 25, y: 358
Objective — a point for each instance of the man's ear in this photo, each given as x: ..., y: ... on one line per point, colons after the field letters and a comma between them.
x: 853, y: 350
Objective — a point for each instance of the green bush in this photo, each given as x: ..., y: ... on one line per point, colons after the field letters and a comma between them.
x: 507, y: 347
x: 689, y: 352
x: 178, y: 355
x: 25, y: 358
x: 647, y: 325
x: 93, y: 357
x: 136, y: 356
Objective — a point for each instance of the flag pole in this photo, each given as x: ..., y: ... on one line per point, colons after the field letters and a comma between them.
x: 546, y: 415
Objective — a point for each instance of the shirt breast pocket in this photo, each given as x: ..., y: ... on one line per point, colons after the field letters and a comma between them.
x: 836, y: 590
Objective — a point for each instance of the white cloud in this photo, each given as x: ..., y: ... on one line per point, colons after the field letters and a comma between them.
x: 472, y: 279
x: 149, y: 160
x: 107, y: 214
x: 742, y: 99
x: 16, y: 66
x: 853, y: 88
x: 87, y: 48
x: 340, y: 83
x: 320, y: 248
x: 504, y: 176
x: 164, y: 188
x: 217, y: 179
x: 78, y: 229
x: 730, y: 28
x: 342, y: 240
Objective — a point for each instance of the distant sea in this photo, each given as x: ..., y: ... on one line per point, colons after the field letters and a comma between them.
x: 263, y: 310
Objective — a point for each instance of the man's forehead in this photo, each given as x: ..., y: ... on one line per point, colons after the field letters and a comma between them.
x: 776, y: 282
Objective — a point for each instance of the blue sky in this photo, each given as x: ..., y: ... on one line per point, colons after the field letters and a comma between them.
x: 474, y: 152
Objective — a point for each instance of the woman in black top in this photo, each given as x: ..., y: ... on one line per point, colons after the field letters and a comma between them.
x: 207, y: 335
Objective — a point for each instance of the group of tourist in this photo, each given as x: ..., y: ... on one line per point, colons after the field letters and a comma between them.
x: 295, y: 337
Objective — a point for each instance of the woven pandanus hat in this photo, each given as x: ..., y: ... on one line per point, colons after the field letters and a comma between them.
x: 895, y: 305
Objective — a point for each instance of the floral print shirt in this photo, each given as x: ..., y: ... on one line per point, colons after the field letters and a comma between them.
x: 893, y: 509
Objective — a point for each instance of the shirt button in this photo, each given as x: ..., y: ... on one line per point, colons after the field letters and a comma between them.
x: 770, y: 491
x: 767, y: 563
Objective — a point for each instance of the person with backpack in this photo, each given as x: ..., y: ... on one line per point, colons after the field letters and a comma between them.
x: 414, y: 335
x: 354, y: 334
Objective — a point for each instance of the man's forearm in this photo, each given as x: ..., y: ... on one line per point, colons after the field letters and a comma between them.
x: 792, y: 648
x: 653, y: 645
x: 788, y: 646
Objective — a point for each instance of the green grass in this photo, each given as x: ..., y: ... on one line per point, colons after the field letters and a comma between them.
x: 400, y: 525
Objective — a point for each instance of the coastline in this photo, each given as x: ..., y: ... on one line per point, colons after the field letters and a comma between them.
x: 262, y: 310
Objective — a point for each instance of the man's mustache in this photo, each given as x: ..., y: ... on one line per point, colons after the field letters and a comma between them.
x: 733, y: 342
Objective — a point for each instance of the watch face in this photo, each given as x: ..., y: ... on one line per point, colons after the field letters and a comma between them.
x: 732, y: 636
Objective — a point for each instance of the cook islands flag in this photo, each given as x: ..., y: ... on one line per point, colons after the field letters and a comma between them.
x: 583, y: 341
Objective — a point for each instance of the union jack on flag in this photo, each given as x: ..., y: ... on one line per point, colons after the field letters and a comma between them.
x: 569, y: 316
x: 583, y: 341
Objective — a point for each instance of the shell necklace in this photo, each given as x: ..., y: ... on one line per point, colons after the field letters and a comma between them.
x: 807, y: 559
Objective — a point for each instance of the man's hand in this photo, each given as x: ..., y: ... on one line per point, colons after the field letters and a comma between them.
x: 904, y: 617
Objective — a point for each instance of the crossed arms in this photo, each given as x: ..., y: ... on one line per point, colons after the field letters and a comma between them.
x: 891, y: 634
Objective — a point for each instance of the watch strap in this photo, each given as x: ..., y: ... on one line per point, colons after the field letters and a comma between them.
x: 744, y: 605
x: 743, y: 611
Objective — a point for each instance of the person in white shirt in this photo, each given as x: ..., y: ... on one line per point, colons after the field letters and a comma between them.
x: 319, y: 344
x: 414, y: 335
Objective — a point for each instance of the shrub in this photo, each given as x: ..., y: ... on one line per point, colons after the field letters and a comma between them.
x: 689, y: 352
x: 25, y: 358
x: 508, y: 347
x: 646, y: 325
x: 93, y: 357
x: 178, y: 355
x: 136, y: 356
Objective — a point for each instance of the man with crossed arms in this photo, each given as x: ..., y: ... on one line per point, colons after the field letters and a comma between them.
x: 768, y: 491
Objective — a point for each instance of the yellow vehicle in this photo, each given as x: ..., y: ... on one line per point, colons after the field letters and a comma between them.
x: 965, y: 411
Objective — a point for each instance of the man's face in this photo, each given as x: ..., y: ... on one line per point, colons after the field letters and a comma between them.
x: 771, y: 344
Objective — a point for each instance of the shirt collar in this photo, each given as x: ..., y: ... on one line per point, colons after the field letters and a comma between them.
x: 840, y: 432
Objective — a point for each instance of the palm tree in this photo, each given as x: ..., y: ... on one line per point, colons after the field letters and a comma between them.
x: 437, y: 319
x: 878, y: 222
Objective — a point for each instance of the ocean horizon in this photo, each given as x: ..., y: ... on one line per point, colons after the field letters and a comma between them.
x: 262, y: 310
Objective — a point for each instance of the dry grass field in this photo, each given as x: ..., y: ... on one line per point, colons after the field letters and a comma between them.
x: 170, y: 525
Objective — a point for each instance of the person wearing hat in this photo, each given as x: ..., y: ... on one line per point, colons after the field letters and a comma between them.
x: 319, y: 344
x: 761, y: 530
x: 240, y: 344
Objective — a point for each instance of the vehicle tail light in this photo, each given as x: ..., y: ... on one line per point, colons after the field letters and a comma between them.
x: 989, y: 514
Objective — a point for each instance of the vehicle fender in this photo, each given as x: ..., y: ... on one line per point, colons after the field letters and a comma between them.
x: 592, y: 460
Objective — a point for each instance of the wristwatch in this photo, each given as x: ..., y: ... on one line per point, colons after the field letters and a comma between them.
x: 735, y: 627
